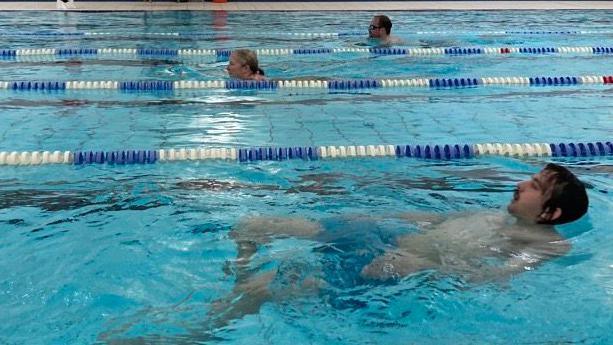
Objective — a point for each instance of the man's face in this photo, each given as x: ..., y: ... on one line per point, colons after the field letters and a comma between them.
x: 374, y: 30
x: 530, y: 196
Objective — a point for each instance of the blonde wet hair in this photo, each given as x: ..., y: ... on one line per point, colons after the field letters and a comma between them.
x: 250, y: 59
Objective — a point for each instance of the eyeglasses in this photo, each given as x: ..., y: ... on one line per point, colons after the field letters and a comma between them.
x: 372, y: 27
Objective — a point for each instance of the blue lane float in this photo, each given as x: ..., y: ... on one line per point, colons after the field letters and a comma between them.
x: 45, y: 33
x: 543, y: 32
x: 277, y: 153
x: 301, y: 34
x: 153, y: 85
x: 157, y: 52
x: 435, y: 151
x: 223, y: 54
x: 602, y: 50
x: 308, y: 51
x: 336, y: 84
x: 8, y: 52
x: 115, y: 157
x: 388, y: 51
x: 581, y: 149
x: 251, y: 85
x: 547, y: 81
x: 76, y: 51
x: 254, y: 154
x: 453, y: 82
x: 353, y: 84
x: 36, y: 85
x: 538, y: 50
x: 463, y: 51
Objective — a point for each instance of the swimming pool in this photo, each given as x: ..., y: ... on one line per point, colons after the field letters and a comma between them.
x: 103, y: 252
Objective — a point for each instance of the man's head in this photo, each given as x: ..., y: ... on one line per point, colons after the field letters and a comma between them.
x: 380, y: 27
x: 553, y: 196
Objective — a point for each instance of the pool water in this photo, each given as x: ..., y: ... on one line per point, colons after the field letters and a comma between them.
x: 111, y: 253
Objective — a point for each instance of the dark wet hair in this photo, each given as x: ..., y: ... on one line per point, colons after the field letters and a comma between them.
x: 566, y: 193
x: 385, y: 22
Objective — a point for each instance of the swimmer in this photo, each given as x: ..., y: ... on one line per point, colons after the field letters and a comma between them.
x: 477, y: 248
x: 244, y: 65
x: 519, y: 241
x: 380, y: 29
x: 355, y: 250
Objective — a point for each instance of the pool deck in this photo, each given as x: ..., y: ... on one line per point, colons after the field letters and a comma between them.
x: 314, y: 6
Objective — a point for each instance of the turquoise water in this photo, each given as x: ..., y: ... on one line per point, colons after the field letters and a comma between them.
x: 99, y: 253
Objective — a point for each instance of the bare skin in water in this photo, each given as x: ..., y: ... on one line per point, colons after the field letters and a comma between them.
x: 477, y: 248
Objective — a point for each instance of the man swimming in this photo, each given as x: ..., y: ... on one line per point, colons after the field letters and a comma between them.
x: 359, y: 250
x: 380, y: 28
x: 476, y: 248
x: 485, y: 247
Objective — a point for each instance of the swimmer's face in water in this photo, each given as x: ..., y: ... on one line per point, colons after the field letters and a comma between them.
x: 237, y: 69
x: 530, y: 197
x: 375, y: 30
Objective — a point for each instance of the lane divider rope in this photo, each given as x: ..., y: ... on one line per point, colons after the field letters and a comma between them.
x: 439, y: 152
x: 304, y: 34
x: 338, y: 84
x: 224, y: 53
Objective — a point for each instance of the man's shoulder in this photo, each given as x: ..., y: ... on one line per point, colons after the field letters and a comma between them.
x: 395, y: 40
x: 493, y: 216
x: 433, y: 218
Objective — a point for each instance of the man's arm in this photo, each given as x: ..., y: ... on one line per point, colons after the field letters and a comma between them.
x: 522, y: 261
x: 422, y: 219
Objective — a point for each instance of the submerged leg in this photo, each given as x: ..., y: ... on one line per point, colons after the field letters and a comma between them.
x: 252, y: 291
x: 253, y: 232
x: 246, y: 298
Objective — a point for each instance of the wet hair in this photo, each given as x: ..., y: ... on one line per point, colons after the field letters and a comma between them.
x: 385, y: 22
x: 567, y: 193
x: 249, y: 58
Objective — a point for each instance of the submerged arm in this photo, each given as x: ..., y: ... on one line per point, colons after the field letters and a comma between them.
x: 422, y: 218
x: 526, y: 259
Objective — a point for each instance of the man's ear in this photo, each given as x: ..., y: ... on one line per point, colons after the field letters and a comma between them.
x: 550, y: 216
x: 557, y: 213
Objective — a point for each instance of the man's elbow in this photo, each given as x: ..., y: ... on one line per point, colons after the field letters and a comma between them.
x: 376, y: 271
